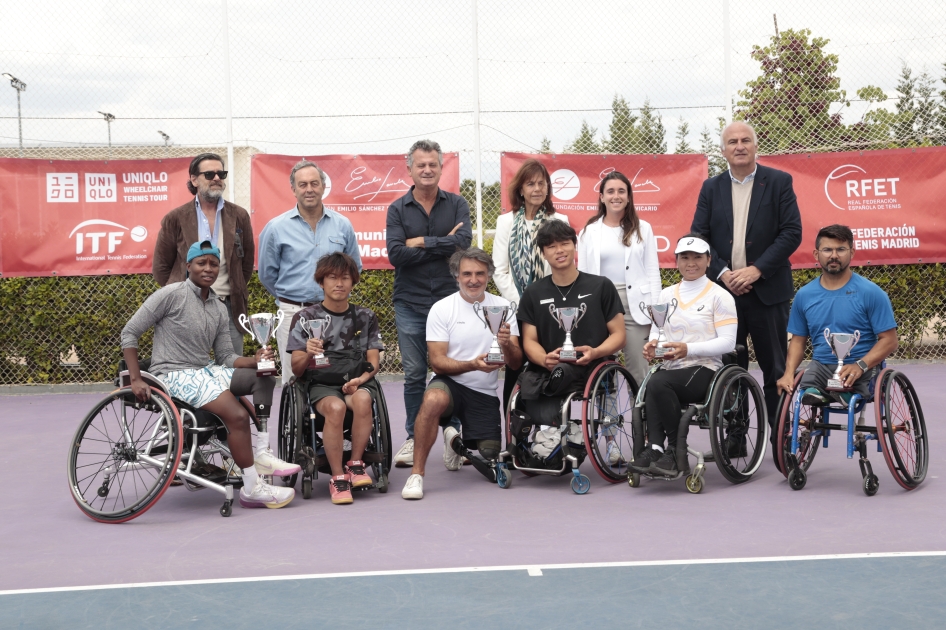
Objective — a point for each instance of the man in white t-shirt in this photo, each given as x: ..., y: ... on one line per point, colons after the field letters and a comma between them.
x: 464, y: 384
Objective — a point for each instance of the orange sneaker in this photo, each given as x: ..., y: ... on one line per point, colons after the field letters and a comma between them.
x: 339, y: 488
x: 357, y: 475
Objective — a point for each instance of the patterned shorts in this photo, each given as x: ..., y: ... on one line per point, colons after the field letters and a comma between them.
x: 198, y: 387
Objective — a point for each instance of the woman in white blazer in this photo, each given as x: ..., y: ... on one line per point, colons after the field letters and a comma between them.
x: 518, y: 261
x: 621, y: 246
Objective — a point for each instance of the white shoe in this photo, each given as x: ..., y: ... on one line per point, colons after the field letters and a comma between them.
x: 265, y: 495
x: 451, y: 459
x: 405, y: 455
x: 230, y: 466
x: 269, y: 464
x: 414, y: 488
x: 615, y: 456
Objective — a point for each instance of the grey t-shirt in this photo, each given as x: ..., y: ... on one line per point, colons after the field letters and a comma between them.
x: 186, y: 328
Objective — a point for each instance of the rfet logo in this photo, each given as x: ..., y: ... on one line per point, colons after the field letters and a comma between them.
x: 850, y: 185
x: 113, y: 237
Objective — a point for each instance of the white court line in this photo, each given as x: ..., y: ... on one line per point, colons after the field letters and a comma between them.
x: 532, y: 569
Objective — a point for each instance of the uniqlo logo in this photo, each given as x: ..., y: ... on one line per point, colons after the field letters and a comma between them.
x: 62, y: 187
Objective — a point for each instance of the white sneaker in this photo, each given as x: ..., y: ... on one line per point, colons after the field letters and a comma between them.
x: 615, y: 456
x: 451, y: 459
x: 269, y: 464
x: 265, y: 495
x: 230, y: 466
x: 414, y: 488
x: 405, y: 455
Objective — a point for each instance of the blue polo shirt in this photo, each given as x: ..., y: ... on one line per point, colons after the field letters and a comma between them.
x: 858, y: 305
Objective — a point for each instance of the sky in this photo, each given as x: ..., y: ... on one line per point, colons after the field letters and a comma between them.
x: 318, y: 78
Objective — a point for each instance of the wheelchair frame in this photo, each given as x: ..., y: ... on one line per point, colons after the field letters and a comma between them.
x: 798, y: 448
x: 714, y: 415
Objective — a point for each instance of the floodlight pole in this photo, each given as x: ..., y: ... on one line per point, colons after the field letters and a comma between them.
x: 167, y: 138
x: 476, y: 130
x: 19, y: 86
x: 108, y: 121
x: 229, y: 100
x: 727, y: 61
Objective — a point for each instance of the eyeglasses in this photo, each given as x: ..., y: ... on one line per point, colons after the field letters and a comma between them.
x: 827, y: 251
x: 209, y: 175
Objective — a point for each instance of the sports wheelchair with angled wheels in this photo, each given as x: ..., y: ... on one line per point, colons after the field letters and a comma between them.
x: 299, y: 440
x: 550, y: 436
x: 899, y: 429
x: 733, y: 411
x: 126, y: 453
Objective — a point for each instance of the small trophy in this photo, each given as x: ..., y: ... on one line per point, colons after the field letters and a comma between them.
x: 260, y: 327
x: 493, y: 317
x: 841, y: 345
x: 568, y: 318
x: 314, y: 329
x: 659, y: 314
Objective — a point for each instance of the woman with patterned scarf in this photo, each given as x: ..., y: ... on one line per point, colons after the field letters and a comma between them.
x: 518, y: 261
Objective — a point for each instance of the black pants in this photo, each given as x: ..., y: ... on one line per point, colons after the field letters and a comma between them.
x: 509, y: 382
x: 767, y: 325
x: 246, y: 383
x: 668, y: 391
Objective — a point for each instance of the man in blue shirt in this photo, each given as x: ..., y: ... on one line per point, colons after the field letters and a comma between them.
x: 843, y: 302
x: 424, y: 227
x: 290, y: 247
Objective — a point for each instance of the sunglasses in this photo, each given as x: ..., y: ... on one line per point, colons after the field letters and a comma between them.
x: 209, y: 175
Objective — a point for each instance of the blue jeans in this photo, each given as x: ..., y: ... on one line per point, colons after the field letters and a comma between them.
x: 412, y: 342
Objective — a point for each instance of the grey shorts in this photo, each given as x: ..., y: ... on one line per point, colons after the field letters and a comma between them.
x: 817, y: 375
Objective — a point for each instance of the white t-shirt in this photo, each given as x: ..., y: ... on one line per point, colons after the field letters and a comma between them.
x: 453, y: 320
x: 612, y: 252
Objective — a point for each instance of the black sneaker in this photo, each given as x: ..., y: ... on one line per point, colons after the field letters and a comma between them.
x: 645, y: 459
x: 667, y: 464
x: 814, y: 397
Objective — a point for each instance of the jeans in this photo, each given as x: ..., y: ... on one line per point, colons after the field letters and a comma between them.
x: 412, y: 342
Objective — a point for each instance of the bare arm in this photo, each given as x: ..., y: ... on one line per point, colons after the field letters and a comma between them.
x: 617, y: 335
x: 887, y: 344
x: 796, y: 353
x: 445, y: 366
x: 534, y: 350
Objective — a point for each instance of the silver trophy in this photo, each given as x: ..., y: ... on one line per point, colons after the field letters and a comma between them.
x: 261, y: 327
x: 494, y: 317
x: 659, y: 314
x: 841, y: 345
x: 314, y: 329
x: 568, y: 318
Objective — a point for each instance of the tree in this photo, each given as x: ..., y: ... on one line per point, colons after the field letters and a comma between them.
x: 905, y: 108
x: 709, y: 146
x: 874, y: 130
x: 789, y: 103
x: 491, y: 197
x: 545, y: 146
x: 623, y: 136
x: 925, y: 123
x: 682, y: 145
x: 653, y: 135
x: 585, y: 142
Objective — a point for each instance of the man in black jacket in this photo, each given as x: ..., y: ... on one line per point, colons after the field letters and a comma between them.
x: 750, y: 217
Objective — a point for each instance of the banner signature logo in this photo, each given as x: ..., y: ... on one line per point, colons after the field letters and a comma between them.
x: 565, y: 184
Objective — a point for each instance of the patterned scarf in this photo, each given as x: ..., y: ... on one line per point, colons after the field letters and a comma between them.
x: 525, y: 259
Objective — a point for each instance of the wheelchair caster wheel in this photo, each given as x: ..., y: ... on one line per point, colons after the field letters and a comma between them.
x: 581, y: 484
x: 634, y: 480
x: 503, y: 478
x: 103, y: 491
x: 797, y: 479
x: 307, y: 488
x: 226, y: 509
x: 871, y: 484
x: 694, y: 484
x: 383, y: 484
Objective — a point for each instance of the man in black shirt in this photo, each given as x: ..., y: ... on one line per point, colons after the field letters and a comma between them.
x: 600, y: 332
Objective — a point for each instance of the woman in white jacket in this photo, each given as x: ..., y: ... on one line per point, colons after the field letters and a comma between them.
x: 518, y: 261
x: 619, y: 245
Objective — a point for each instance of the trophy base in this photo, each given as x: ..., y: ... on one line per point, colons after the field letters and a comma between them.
x: 836, y: 385
x: 567, y: 356
x: 266, y: 368
x: 318, y: 362
x: 659, y: 352
x: 495, y: 358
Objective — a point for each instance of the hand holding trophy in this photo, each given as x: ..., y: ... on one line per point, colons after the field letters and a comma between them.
x: 493, y: 317
x: 841, y: 345
x: 261, y: 327
x: 314, y: 329
x: 659, y: 314
x: 568, y: 318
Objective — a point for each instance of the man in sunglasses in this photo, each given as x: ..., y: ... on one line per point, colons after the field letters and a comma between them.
x: 209, y: 218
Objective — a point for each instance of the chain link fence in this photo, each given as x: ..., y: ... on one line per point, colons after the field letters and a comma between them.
x: 105, y: 80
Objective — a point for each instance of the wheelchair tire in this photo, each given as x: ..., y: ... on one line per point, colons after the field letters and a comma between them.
x: 694, y: 484
x: 503, y: 478
x: 118, y: 432
x: 606, y: 413
x: 738, y: 404
x: 581, y: 484
x: 307, y: 488
x: 901, y: 428
x: 510, y: 404
x: 286, y: 441
x: 797, y: 479
x: 383, y: 435
x: 807, y: 446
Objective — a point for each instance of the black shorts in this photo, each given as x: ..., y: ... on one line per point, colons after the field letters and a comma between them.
x: 479, y: 413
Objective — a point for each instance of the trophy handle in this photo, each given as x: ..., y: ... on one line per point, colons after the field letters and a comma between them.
x: 477, y: 310
x: 280, y: 316
x: 643, y: 308
x: 581, y: 313
x: 857, y: 337
x: 554, y: 314
x: 244, y: 323
x: 511, y: 313
x: 673, y: 303
x: 827, y: 338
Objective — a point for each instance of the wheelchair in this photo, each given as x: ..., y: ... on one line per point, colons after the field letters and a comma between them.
x: 299, y: 441
x: 126, y: 453
x: 600, y: 430
x: 899, y: 429
x: 734, y: 406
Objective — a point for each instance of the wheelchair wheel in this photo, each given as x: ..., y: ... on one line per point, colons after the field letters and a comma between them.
x: 511, y: 404
x: 606, y: 413
x: 581, y: 484
x: 286, y: 441
x: 901, y: 428
x: 381, y: 440
x: 739, y: 430
x: 807, y: 444
x: 503, y: 478
x: 124, y: 456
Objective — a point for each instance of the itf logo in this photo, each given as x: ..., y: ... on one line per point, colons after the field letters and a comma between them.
x: 113, y: 238
x: 565, y: 184
x: 62, y: 187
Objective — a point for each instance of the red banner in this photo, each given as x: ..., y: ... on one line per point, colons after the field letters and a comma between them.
x: 665, y: 188
x: 71, y: 218
x: 359, y: 186
x: 892, y: 199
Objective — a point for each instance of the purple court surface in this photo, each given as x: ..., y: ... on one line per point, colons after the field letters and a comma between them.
x: 463, y: 521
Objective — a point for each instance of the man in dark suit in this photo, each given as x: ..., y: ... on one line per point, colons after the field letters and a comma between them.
x: 750, y: 216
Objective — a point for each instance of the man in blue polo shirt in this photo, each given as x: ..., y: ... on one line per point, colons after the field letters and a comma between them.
x: 290, y: 247
x: 844, y: 302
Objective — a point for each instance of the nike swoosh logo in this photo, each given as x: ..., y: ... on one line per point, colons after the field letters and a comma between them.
x: 581, y: 297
